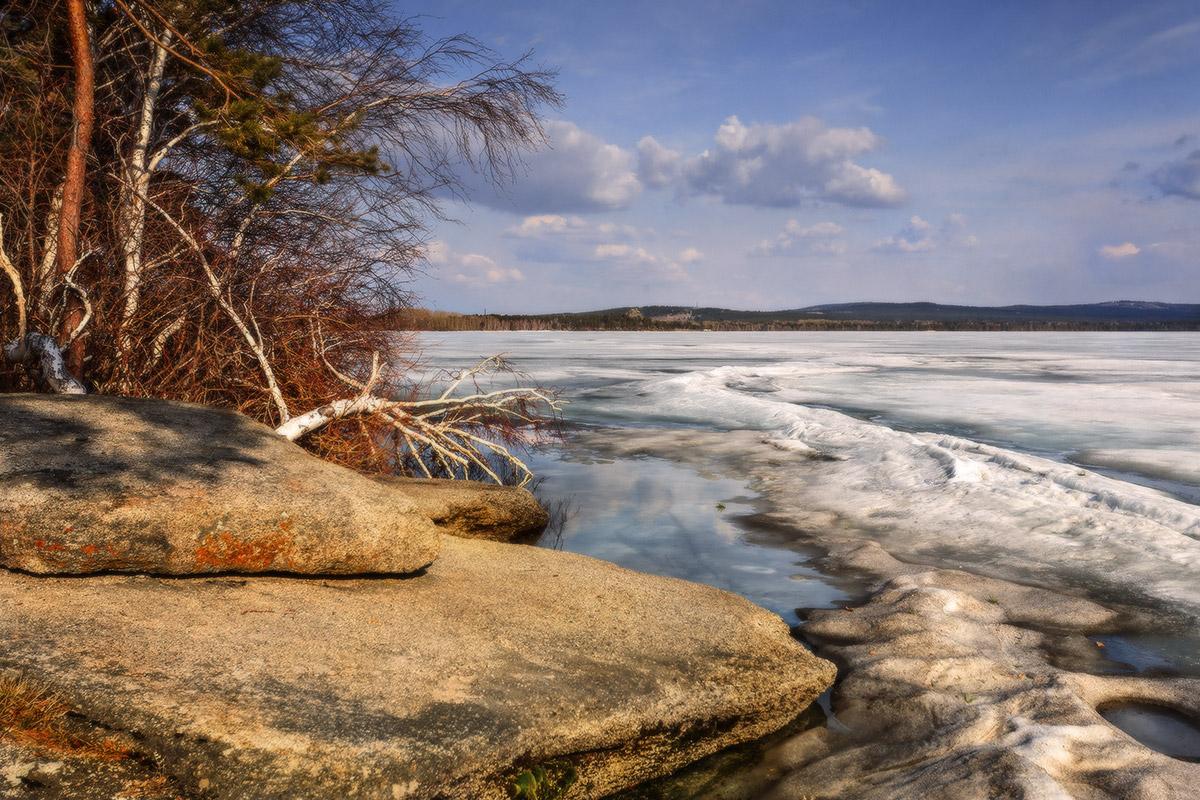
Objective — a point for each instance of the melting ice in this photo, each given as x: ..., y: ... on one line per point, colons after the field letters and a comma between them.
x: 1061, y: 459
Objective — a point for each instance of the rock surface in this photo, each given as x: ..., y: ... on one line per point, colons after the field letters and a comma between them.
x: 474, y: 510
x: 93, y: 483
x: 497, y: 659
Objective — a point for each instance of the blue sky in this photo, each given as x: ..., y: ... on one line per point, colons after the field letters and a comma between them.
x: 771, y: 154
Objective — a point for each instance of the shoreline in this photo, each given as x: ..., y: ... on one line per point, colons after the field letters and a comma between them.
x: 1057, y: 642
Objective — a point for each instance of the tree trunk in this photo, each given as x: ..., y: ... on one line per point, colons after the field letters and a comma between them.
x: 81, y: 137
x: 136, y: 185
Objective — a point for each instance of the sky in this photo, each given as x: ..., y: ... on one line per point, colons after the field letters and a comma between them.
x: 775, y: 154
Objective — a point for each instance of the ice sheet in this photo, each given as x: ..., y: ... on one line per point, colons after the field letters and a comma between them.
x: 946, y: 448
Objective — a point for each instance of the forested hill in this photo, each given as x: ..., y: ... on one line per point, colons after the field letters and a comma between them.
x: 1124, y: 315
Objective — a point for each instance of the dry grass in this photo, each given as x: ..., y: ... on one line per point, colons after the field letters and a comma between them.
x: 36, y: 717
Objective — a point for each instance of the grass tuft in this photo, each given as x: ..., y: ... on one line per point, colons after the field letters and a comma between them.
x: 549, y: 781
x: 34, y: 716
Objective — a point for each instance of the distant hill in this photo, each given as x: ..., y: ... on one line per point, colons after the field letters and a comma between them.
x: 1117, y: 315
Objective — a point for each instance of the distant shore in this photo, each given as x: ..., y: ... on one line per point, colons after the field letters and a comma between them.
x: 1116, y: 316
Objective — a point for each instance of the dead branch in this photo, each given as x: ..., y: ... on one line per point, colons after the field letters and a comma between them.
x: 214, y: 283
x: 448, y: 430
x: 43, y: 360
x: 18, y: 285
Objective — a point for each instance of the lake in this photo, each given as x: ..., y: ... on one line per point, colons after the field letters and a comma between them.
x: 1064, y: 460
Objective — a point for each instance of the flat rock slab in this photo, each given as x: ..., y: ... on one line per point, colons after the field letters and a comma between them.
x: 91, y: 484
x: 498, y: 659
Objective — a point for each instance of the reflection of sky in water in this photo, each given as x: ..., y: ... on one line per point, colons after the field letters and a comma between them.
x: 1161, y: 729
x: 1151, y: 654
x: 654, y: 516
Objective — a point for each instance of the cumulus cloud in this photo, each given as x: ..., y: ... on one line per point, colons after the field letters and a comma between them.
x: 472, y: 269
x: 1120, y: 250
x: 577, y: 172
x: 690, y: 255
x: 1180, y: 177
x: 776, y: 165
x: 853, y: 185
x: 820, y: 238
x: 543, y: 225
x: 920, y: 236
x: 657, y: 166
x: 652, y: 266
x: 916, y: 237
x: 555, y: 226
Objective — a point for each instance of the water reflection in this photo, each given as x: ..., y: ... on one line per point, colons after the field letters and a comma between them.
x: 655, y: 516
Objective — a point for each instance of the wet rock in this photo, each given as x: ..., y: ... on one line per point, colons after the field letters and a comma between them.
x: 93, y: 484
x: 497, y: 660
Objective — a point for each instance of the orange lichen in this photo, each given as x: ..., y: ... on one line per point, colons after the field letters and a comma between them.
x: 224, y: 551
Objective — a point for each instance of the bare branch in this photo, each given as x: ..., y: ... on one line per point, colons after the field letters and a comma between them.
x: 256, y: 344
x: 160, y: 341
x: 70, y: 284
x: 42, y: 358
x: 18, y: 285
x: 449, y: 429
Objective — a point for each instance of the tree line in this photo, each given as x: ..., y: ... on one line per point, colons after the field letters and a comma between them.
x: 426, y: 320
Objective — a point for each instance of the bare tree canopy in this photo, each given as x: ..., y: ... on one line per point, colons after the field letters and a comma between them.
x: 249, y: 202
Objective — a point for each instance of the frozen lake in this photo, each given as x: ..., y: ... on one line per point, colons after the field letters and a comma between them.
x: 1067, y: 460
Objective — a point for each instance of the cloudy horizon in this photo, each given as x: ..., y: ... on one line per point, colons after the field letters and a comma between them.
x: 780, y: 155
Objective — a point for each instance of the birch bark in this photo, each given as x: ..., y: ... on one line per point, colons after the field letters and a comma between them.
x: 131, y: 218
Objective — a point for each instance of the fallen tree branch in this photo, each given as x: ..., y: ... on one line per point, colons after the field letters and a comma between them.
x: 450, y: 432
x: 217, y: 290
x: 43, y: 360
x: 39, y: 354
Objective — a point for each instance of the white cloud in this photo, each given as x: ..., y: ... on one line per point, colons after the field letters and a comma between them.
x: 657, y: 166
x: 472, y: 269
x: 776, y: 165
x: 916, y: 237
x: 577, y: 172
x: 853, y: 185
x: 833, y: 248
x: 1120, y: 250
x: 919, y: 236
x: 822, y: 230
x: 821, y: 238
x: 648, y: 265
x: 690, y: 255
x: 555, y: 226
x: 546, y: 225
x: 1180, y: 177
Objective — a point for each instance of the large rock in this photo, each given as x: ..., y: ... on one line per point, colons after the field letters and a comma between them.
x: 474, y: 510
x: 497, y: 660
x: 92, y: 484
